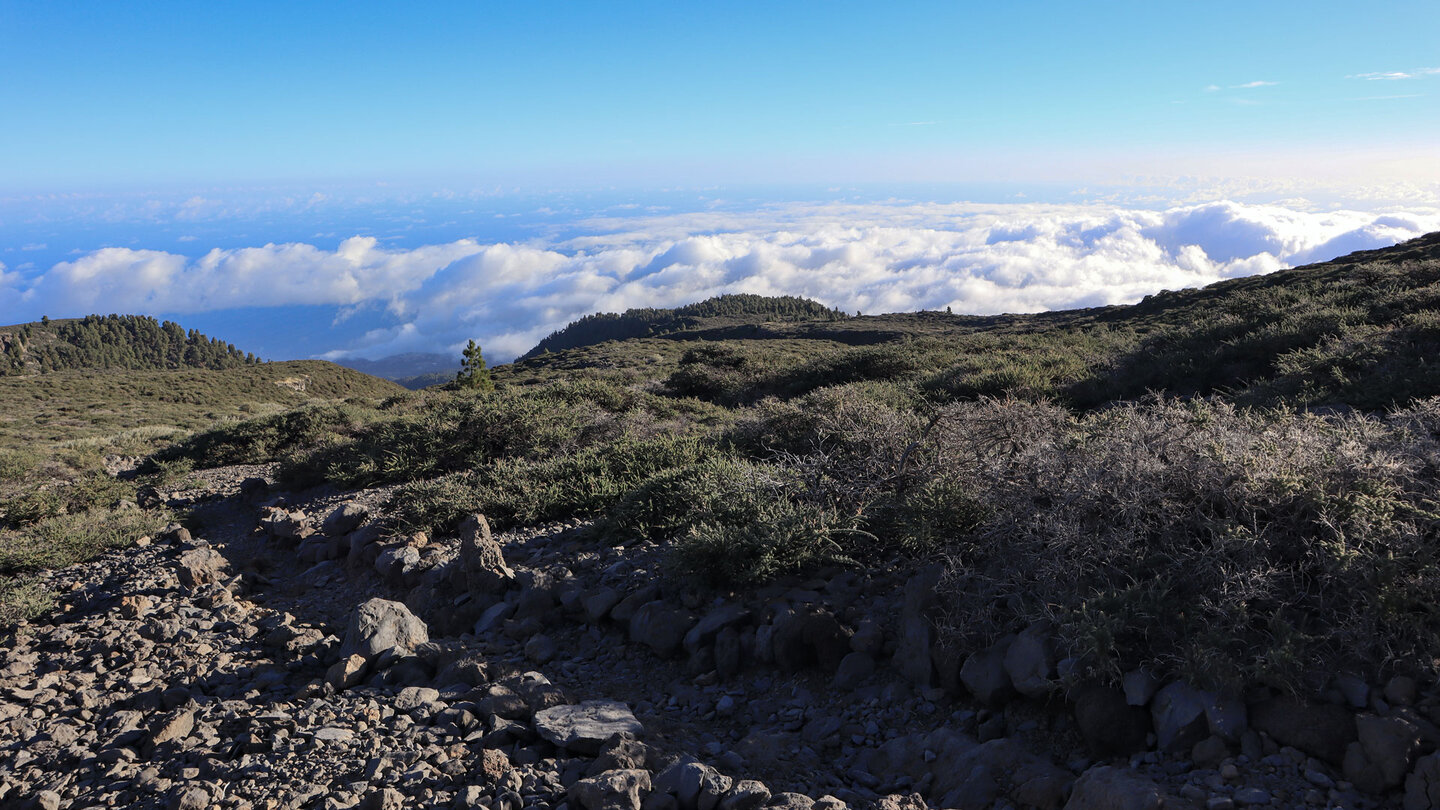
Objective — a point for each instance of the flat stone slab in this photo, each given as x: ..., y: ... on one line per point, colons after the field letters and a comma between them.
x: 584, y: 727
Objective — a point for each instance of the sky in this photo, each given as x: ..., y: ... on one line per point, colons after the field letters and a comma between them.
x: 322, y: 179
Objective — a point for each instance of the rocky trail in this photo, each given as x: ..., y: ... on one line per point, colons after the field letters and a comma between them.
x: 289, y: 654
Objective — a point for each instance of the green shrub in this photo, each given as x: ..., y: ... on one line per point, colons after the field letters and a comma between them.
x: 62, y: 540
x: 267, y: 438
x: 92, y: 490
x: 22, y: 598
x: 522, y: 491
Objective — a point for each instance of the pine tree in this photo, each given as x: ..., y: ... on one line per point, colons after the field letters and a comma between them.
x: 473, y: 373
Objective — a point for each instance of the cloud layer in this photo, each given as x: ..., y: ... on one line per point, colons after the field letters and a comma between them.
x: 979, y: 259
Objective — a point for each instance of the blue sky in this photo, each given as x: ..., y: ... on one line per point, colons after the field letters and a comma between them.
x: 110, y: 94
x: 323, y: 179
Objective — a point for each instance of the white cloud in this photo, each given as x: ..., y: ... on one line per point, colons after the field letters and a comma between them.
x: 1251, y: 85
x: 982, y: 259
x: 1396, y: 75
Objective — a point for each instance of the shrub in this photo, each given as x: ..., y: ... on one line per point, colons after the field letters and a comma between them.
x: 519, y: 491
x: 264, y: 439
x: 1198, y: 539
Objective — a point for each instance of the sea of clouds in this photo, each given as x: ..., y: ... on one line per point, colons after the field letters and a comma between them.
x: 872, y: 258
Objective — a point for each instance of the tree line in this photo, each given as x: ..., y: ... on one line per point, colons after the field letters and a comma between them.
x: 137, y: 342
x: 646, y: 321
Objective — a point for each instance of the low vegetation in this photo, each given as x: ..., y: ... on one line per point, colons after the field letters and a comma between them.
x: 1233, y: 484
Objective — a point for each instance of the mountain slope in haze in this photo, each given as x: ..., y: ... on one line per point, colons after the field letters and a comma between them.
x: 412, y: 369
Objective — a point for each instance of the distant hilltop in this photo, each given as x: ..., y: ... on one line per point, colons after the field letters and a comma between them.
x: 136, y: 342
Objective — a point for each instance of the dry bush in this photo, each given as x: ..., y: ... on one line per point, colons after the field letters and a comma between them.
x: 1192, y: 537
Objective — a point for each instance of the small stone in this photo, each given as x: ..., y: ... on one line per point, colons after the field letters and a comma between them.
x: 1252, y: 796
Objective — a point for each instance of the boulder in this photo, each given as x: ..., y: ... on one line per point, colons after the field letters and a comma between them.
x: 984, y: 675
x: 598, y: 603
x: 790, y: 801
x: 695, y: 785
x: 1323, y: 731
x: 1140, y: 686
x: 854, y: 669
x: 1109, y: 723
x: 620, y: 752
x: 914, y: 638
x: 254, y: 490
x: 1178, y: 711
x: 1422, y: 786
x: 346, y: 672
x: 812, y: 639
x: 611, y: 790
x: 378, y: 625
x: 705, y: 631
x: 200, y: 566
x: 660, y: 626
x: 344, y: 519
x: 481, y: 559
x: 583, y: 728
x: 1381, y: 757
x: 285, y: 524
x: 1107, y: 788
x: 747, y: 794
x: 1030, y: 661
x: 912, y: 650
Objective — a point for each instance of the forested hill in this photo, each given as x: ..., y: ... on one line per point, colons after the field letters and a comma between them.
x: 648, y: 322
x: 136, y: 342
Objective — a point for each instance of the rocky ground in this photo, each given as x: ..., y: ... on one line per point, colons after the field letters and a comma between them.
x: 287, y: 653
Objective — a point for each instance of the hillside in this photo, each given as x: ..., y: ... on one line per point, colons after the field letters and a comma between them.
x: 1357, y: 330
x: 135, y: 342
x: 90, y: 405
x: 721, y: 311
x: 952, y: 556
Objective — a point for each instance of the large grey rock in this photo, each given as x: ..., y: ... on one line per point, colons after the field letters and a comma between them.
x: 854, y: 669
x: 344, y: 519
x: 1178, y: 711
x: 611, y: 790
x: 1324, y: 731
x: 804, y: 640
x: 1381, y: 757
x: 747, y: 794
x: 705, y: 630
x: 1226, y: 715
x: 1107, y: 788
x: 695, y: 785
x: 200, y: 566
x: 984, y: 675
x: 1030, y: 661
x: 285, y: 525
x: 1422, y: 786
x: 912, y: 650
x: 660, y: 626
x: 1109, y: 723
x: 378, y: 625
x: 396, y: 562
x: 1140, y: 686
x: 914, y: 638
x: 583, y: 728
x: 598, y: 603
x: 481, y: 559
